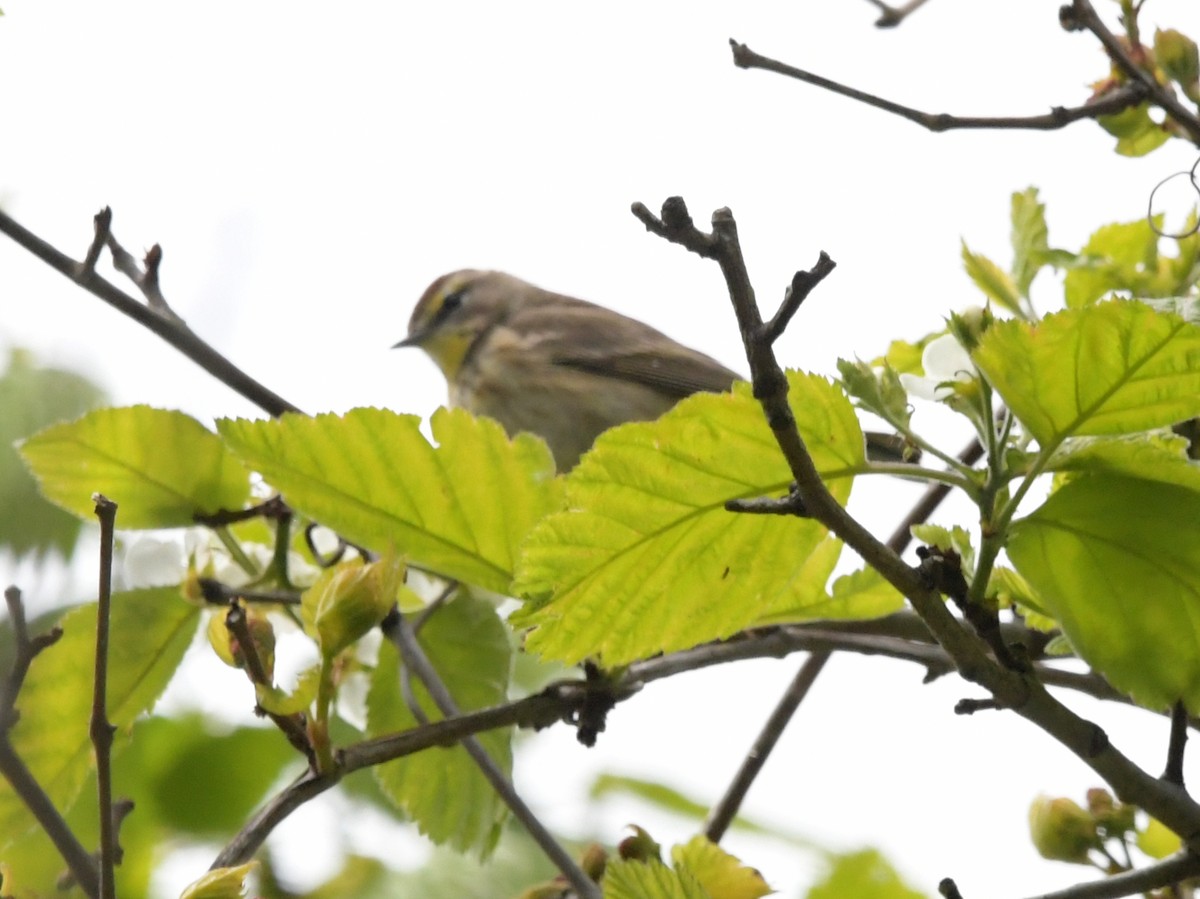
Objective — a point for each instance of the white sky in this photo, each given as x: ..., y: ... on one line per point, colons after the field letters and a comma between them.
x: 309, y: 169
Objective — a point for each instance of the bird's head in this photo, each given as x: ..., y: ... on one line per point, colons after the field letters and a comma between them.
x: 456, y: 310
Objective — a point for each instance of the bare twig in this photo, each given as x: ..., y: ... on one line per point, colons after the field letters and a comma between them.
x: 79, y: 862
x: 398, y: 630
x: 292, y: 726
x: 722, y: 814
x: 1082, y: 15
x: 894, y: 15
x: 171, y: 330
x: 1177, y: 744
x: 101, y: 729
x: 1058, y: 117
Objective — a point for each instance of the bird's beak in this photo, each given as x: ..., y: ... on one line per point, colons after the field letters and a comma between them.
x: 410, y: 340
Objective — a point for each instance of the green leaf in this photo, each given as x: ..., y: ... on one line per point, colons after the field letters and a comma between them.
x: 675, y: 801
x: 149, y: 632
x: 442, y: 789
x: 1152, y: 457
x: 865, y: 874
x: 994, y: 281
x: 161, y: 467
x: 857, y: 596
x: 647, y: 559
x: 1136, y: 132
x: 461, y: 508
x: 1117, y: 562
x: 721, y: 875
x: 877, y: 391
x: 1006, y: 588
x: 222, y: 883
x: 1112, y: 368
x: 1030, y: 238
x: 204, y: 783
x: 1116, y: 257
x: 650, y: 880
x: 33, y: 397
x: 299, y: 698
x: 1157, y: 840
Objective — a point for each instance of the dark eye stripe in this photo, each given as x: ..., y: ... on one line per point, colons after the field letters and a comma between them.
x: 450, y: 303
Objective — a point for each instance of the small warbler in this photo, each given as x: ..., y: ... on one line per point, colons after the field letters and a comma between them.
x: 561, y: 368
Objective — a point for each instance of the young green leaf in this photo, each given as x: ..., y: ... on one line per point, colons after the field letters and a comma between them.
x: 876, y: 391
x: 160, y: 466
x: 1152, y: 457
x: 647, y: 559
x: 865, y: 874
x: 442, y: 789
x: 1111, y: 368
x: 721, y: 875
x: 1117, y: 562
x: 650, y: 880
x: 1135, y: 130
x: 460, y: 508
x: 1030, y: 238
x: 149, y: 632
x: 1116, y: 257
x: 994, y: 281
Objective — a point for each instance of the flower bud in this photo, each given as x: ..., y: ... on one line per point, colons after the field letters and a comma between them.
x: 348, y: 600
x: 593, y: 861
x: 640, y: 847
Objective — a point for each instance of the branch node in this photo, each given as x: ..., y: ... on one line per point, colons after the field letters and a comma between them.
x: 102, y: 222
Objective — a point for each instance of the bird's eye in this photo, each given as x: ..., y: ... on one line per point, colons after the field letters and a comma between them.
x: 452, y: 301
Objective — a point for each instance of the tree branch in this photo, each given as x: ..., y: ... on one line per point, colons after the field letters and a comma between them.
x: 722, y: 814
x: 79, y: 862
x: 169, y: 328
x: 101, y: 729
x: 1130, y: 883
x: 894, y: 15
x: 1082, y: 15
x: 1058, y: 117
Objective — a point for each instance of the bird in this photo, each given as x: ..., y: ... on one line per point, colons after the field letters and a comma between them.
x: 562, y: 368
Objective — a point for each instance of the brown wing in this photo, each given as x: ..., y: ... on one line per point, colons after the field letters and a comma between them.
x: 602, y: 342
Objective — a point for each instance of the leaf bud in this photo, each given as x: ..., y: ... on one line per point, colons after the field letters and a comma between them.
x: 1061, y: 830
x: 349, y: 600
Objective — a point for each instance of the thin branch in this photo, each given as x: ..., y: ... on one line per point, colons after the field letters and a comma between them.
x: 292, y: 726
x: 1058, y: 117
x: 1177, y: 744
x: 79, y: 862
x: 1019, y: 689
x: 101, y: 729
x: 171, y: 330
x: 397, y: 629
x: 894, y: 15
x: 1082, y: 15
x: 902, y: 637
x: 1173, y: 870
x: 722, y: 814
